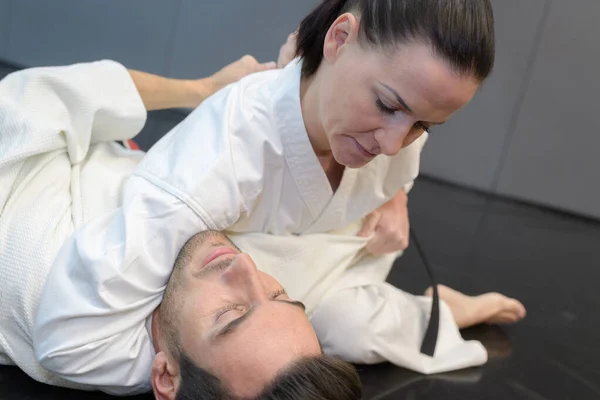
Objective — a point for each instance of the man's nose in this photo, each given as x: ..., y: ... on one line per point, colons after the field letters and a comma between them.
x: 243, y: 275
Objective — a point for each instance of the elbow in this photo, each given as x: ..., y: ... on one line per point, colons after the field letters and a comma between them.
x: 71, y: 361
x: 50, y: 359
x: 56, y: 354
x: 94, y: 366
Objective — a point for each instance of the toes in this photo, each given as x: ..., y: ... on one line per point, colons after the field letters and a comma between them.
x: 521, y: 310
x: 516, y: 307
x: 510, y: 311
x: 506, y: 317
x: 502, y: 303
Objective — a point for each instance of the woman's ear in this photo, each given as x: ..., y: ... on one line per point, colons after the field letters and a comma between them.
x: 343, y: 31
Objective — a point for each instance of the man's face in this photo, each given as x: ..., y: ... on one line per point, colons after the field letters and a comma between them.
x: 235, y: 321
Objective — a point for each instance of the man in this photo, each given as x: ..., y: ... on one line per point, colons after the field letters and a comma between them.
x: 221, y: 312
x: 59, y: 168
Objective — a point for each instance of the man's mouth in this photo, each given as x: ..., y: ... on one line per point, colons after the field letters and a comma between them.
x: 217, y: 253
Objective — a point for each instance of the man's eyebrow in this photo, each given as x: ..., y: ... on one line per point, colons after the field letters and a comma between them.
x: 233, y: 325
x: 398, y: 98
x: 292, y: 302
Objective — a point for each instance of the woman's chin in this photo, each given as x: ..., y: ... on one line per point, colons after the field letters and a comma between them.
x: 351, y: 162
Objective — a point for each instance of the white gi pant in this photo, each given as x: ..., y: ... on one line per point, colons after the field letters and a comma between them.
x: 377, y: 322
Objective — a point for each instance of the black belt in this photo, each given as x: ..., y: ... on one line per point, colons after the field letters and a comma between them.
x: 433, y: 328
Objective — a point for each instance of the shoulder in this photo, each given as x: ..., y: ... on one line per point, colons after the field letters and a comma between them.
x: 213, y: 156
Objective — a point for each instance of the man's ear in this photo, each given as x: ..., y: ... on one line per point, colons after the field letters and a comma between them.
x: 164, y: 377
x: 343, y: 31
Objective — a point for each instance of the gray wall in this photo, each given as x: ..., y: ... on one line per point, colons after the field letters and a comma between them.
x: 468, y: 149
x: 184, y: 38
x: 5, y: 14
x: 530, y: 133
x: 554, y: 154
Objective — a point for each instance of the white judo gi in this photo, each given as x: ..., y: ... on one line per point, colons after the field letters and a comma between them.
x: 88, y: 238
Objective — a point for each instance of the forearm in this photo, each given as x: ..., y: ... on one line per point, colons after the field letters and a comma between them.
x: 159, y: 93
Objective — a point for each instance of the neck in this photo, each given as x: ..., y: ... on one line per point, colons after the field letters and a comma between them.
x: 309, y: 102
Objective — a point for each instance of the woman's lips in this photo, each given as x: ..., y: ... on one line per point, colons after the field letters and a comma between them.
x: 363, y: 151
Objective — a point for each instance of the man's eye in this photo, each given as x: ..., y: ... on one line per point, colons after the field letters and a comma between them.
x: 225, y: 310
x: 278, y: 293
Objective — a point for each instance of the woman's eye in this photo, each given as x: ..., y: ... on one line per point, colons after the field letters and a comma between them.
x: 424, y: 127
x: 383, y: 108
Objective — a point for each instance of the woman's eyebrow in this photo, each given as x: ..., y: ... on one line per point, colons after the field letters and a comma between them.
x: 397, y: 96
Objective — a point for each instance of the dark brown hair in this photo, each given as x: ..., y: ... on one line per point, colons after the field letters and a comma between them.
x: 313, y: 378
x: 461, y: 32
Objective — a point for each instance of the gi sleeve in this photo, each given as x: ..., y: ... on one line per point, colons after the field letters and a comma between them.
x: 110, y: 274
x: 106, y: 281
x: 49, y: 108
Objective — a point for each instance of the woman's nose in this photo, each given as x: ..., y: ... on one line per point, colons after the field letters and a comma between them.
x: 391, y: 138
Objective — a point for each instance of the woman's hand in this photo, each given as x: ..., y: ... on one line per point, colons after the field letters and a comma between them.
x: 389, y: 226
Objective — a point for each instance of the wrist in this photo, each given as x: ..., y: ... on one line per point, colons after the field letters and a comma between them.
x: 197, y: 91
x: 401, y: 197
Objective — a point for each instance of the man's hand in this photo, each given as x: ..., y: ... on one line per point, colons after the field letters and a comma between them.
x: 389, y: 226
x: 232, y: 73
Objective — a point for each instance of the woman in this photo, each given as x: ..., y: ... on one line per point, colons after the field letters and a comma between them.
x: 302, y: 154
x: 375, y: 77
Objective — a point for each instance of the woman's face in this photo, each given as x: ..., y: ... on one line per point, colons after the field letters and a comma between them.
x: 372, y: 102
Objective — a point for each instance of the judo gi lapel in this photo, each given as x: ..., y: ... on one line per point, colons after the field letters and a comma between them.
x: 309, y: 177
x: 342, y: 209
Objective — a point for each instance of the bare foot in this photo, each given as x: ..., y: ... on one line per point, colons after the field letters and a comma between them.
x: 491, y: 308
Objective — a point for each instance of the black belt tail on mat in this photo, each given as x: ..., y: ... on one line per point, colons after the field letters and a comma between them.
x: 431, y: 334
